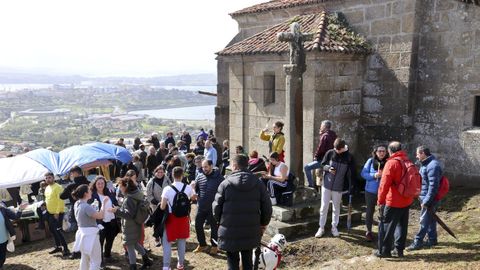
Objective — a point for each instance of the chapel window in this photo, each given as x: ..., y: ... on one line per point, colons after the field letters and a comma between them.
x: 269, y: 88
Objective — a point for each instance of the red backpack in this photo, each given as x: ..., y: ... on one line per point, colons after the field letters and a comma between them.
x: 411, y: 182
x: 443, y: 189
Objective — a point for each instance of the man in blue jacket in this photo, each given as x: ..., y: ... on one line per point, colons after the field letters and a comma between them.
x: 431, y: 173
x: 206, y: 186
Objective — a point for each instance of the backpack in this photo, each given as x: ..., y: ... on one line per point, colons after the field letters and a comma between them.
x: 443, y: 188
x: 411, y: 182
x: 181, y: 202
x: 143, y: 211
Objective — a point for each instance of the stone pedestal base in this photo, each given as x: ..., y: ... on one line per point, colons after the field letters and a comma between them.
x: 302, y: 218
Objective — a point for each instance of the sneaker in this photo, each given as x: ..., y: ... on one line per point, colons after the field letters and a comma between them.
x: 55, y: 250
x: 158, y: 242
x: 200, y: 249
x: 320, y: 233
x: 335, y: 232
x: 397, y: 253
x: 75, y: 255
x: 66, y: 253
x: 213, y: 251
x: 378, y: 254
x: 180, y: 266
x: 273, y: 200
x: 414, y: 246
x: 369, y: 236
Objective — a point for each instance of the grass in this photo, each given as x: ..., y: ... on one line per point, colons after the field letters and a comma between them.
x: 350, y: 251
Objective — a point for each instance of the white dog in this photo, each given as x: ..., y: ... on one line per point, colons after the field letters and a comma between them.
x: 271, y: 255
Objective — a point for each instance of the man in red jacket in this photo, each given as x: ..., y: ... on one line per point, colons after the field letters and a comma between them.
x: 393, y: 206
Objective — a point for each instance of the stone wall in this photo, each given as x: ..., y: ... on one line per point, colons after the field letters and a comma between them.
x: 448, y: 81
x: 332, y: 90
x: 334, y: 95
x: 418, y: 87
x: 389, y: 80
x: 248, y: 114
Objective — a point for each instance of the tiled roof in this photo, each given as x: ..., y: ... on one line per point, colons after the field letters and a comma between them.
x: 276, y: 4
x: 281, y: 4
x: 331, y: 34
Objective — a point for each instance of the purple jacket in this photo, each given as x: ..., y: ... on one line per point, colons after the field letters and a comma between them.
x: 325, y: 143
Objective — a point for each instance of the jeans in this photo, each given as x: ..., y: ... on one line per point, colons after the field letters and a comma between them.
x: 233, y: 260
x: 132, y: 256
x: 200, y: 219
x: 55, y: 227
x: 428, y: 225
x: 3, y: 253
x: 336, y: 198
x: 308, y: 171
x: 395, y: 224
x: 370, y: 201
x: 107, y: 235
x: 167, y: 250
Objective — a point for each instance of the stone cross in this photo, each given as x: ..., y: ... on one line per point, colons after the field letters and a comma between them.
x: 294, y: 99
x: 296, y: 39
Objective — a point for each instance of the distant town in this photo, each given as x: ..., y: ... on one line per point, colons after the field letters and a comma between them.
x: 64, y: 114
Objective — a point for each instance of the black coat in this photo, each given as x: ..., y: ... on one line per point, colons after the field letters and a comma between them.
x: 169, y: 140
x: 242, y: 204
x: 67, y: 192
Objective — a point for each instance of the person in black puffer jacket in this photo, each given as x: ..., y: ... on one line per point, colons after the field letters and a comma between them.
x: 78, y: 179
x: 243, y: 209
x: 206, y: 186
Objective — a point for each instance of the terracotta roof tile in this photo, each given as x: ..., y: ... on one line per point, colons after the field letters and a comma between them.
x: 276, y: 4
x: 331, y: 34
x: 281, y: 4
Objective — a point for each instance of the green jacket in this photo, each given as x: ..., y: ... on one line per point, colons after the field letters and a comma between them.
x: 131, y: 230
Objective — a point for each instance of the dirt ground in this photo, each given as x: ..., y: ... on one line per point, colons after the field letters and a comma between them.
x: 460, y: 210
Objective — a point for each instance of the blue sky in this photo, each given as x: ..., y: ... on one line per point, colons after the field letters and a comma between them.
x: 115, y: 37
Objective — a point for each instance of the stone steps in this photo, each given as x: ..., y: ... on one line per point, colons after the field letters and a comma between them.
x: 296, y: 212
x: 309, y: 225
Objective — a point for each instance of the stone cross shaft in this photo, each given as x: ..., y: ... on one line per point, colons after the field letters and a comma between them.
x: 294, y: 99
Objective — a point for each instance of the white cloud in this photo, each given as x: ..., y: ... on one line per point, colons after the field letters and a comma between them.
x: 116, y: 37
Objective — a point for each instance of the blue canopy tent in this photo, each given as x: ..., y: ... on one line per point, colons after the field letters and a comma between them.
x: 30, y: 167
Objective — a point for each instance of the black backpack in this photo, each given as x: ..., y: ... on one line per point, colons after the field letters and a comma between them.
x: 181, y: 203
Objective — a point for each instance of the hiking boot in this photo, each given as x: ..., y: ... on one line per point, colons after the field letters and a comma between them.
x: 320, y: 233
x: 200, y: 249
x: 55, y: 250
x: 213, y: 251
x: 369, y: 236
x: 379, y: 254
x: 397, y: 253
x: 414, y: 246
x: 431, y: 243
x: 335, y: 232
x: 147, y: 262
x: 273, y: 200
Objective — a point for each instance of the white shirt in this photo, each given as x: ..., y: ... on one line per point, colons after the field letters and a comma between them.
x: 169, y: 194
x: 107, y: 216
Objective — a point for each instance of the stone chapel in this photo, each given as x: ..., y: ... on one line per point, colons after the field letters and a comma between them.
x: 381, y: 70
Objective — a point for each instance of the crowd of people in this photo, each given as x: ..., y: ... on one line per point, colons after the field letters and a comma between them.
x: 158, y: 187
